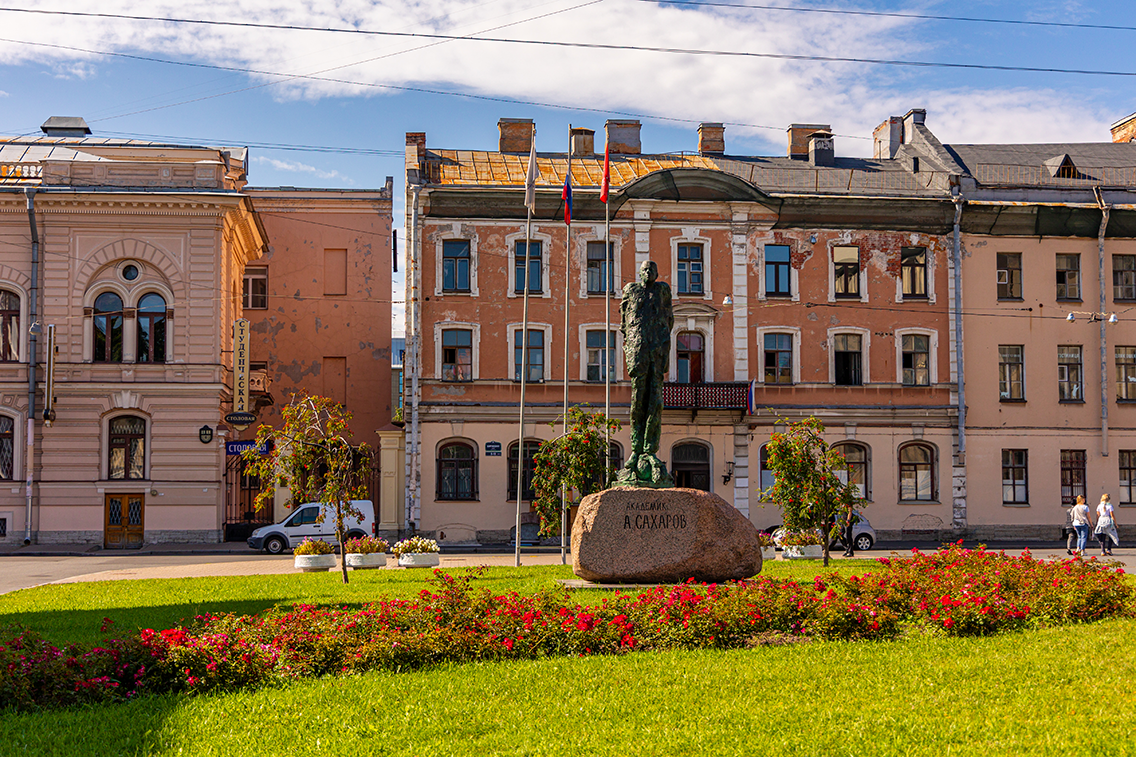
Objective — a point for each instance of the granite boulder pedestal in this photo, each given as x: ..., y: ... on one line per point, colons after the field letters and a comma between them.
x: 640, y: 535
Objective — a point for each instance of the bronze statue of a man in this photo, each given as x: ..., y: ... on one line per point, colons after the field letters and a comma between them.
x: 646, y: 322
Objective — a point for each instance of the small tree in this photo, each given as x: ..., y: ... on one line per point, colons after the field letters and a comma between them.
x: 575, y: 463
x: 807, y: 484
x: 312, y: 455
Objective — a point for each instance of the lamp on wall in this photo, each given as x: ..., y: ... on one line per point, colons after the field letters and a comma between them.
x: 1093, y: 317
x: 729, y: 472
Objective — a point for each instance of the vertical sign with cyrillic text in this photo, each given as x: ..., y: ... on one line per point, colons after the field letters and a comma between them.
x: 240, y: 365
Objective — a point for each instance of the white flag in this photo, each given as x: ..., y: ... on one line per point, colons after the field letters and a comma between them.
x: 530, y: 177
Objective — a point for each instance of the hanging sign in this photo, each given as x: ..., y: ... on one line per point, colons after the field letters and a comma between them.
x: 240, y: 369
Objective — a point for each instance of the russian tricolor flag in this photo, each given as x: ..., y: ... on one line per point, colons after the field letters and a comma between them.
x: 566, y: 195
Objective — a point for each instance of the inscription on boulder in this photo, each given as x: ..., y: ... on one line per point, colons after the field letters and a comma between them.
x: 640, y: 535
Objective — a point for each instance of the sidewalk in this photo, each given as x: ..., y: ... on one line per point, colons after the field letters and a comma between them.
x: 224, y: 548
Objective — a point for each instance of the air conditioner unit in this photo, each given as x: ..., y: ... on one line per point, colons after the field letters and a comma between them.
x: 1003, y: 276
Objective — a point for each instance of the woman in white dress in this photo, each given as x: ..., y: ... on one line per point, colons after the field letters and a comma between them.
x: 1106, y: 526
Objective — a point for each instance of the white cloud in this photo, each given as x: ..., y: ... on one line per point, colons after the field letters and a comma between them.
x: 297, y: 167
x: 754, y: 91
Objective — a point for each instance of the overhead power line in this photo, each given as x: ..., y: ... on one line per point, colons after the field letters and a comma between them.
x: 574, y: 45
x: 897, y: 14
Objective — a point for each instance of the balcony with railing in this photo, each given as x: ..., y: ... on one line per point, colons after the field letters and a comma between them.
x: 722, y: 395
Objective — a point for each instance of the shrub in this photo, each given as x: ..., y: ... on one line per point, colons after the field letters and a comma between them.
x: 415, y: 545
x: 313, y: 547
x: 366, y: 545
x: 765, y: 540
x: 801, y: 538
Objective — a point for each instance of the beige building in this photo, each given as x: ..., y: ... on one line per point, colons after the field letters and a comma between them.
x: 136, y: 257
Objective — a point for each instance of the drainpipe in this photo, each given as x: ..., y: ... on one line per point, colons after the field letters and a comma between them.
x: 29, y: 456
x: 960, y: 375
x: 413, y: 358
x: 1105, y: 209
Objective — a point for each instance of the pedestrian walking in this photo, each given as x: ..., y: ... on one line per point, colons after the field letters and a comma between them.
x: 1068, y: 532
x: 1079, y: 515
x: 1106, y: 526
x: 850, y: 520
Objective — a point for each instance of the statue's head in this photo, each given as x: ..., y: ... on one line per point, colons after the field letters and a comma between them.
x: 648, y: 272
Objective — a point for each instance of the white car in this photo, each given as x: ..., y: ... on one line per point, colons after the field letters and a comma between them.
x: 863, y: 536
x: 302, y: 524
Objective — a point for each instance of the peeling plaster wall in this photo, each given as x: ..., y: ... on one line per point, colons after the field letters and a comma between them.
x: 302, y: 325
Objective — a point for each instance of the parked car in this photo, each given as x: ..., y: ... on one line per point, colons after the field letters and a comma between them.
x: 301, y: 524
x: 863, y: 535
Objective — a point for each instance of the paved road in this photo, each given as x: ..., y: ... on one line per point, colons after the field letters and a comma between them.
x: 21, y: 572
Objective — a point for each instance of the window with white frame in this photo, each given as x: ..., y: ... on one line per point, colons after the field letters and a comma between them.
x: 1069, y: 277
x: 689, y: 272
x: 1126, y: 373
x: 536, y: 267
x: 598, y: 356
x: 778, y: 281
x: 457, y: 355
x: 1015, y: 477
x: 917, y: 473
x: 1009, y: 275
x: 856, y: 455
x: 601, y: 264
x: 256, y: 288
x: 1011, y: 372
x: 690, y: 350
x: 916, y: 355
x: 456, y: 266
x: 778, y: 358
x: 9, y: 326
x: 1127, y: 462
x: 913, y: 272
x: 847, y: 359
x: 535, y: 358
x: 1070, y: 387
x: 1124, y: 277
x: 846, y: 272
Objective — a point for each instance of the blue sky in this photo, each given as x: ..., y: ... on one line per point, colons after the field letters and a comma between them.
x: 757, y: 97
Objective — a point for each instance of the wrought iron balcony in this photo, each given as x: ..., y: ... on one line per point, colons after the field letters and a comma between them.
x: 724, y: 395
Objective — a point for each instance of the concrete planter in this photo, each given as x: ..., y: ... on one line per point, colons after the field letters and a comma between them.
x: 314, y: 563
x: 811, y: 551
x: 768, y: 553
x: 357, y: 561
x: 419, y: 560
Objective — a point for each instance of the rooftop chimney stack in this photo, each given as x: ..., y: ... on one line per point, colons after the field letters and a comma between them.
x: 623, y: 137
x: 822, y: 151
x: 65, y: 126
x: 515, y: 135
x: 887, y: 138
x: 583, y: 142
x: 711, y: 139
x: 1124, y: 130
x: 799, y: 138
x: 913, y: 117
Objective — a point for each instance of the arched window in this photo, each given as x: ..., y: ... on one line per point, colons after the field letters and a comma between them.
x: 108, y: 328
x: 457, y: 472
x: 127, y: 449
x: 7, y: 448
x: 152, y: 329
x: 690, y: 464
x: 689, y: 351
x: 917, y: 472
x: 527, y: 490
x: 9, y: 326
x: 856, y: 455
x: 616, y: 456
x: 765, y: 475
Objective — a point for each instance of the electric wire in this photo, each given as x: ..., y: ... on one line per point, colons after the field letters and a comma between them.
x: 572, y: 44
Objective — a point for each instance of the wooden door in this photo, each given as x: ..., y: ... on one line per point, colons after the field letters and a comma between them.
x: 123, y: 524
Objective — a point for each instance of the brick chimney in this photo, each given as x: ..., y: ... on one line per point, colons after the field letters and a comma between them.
x: 799, y: 138
x: 623, y: 137
x: 887, y: 138
x: 417, y: 139
x: 711, y: 139
x: 1124, y: 130
x: 583, y: 142
x: 822, y: 151
x: 910, y: 119
x: 515, y: 134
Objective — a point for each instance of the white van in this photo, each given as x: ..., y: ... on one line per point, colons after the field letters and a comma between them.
x: 301, y: 524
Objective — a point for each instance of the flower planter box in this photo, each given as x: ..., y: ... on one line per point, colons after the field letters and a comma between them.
x: 419, y: 560
x: 768, y: 553
x: 357, y: 561
x: 314, y: 563
x: 811, y: 551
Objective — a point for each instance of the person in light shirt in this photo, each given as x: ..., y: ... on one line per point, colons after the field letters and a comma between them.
x: 1080, y: 517
x: 1106, y: 526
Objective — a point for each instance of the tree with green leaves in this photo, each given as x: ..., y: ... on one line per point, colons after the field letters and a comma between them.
x: 811, y: 481
x: 575, y: 463
x: 311, y: 454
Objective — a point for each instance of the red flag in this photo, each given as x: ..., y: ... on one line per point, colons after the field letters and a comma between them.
x: 566, y: 195
x: 607, y: 174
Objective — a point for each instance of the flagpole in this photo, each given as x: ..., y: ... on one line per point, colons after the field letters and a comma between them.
x: 530, y: 201
x: 608, y: 284
x: 567, y: 290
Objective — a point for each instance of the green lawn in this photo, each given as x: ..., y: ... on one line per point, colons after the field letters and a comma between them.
x: 75, y: 612
x: 1055, y: 691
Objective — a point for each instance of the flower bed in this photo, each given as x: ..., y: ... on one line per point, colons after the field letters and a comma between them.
x: 953, y: 591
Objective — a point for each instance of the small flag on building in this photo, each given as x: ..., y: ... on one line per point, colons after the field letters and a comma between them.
x: 606, y: 185
x: 751, y: 398
x: 566, y: 195
x: 530, y: 176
